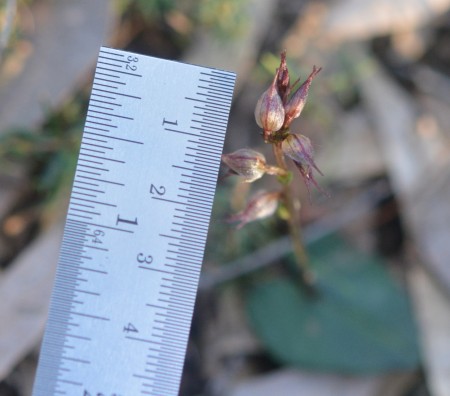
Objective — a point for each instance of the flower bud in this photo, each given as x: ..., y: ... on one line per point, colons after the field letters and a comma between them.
x: 269, y: 111
x: 299, y: 148
x: 283, y: 82
x: 247, y: 163
x: 295, y: 105
x: 260, y: 206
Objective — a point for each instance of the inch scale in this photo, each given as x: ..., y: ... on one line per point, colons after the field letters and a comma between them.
x: 136, y: 228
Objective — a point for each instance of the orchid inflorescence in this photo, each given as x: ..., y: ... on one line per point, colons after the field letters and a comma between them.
x: 275, y: 110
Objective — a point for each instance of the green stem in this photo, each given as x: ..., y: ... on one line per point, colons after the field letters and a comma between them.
x: 307, y: 277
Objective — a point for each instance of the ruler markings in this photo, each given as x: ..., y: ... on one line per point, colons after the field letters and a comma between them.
x: 207, y: 142
x: 102, y: 96
x: 104, y: 102
x: 98, y: 73
x: 212, y: 83
x: 181, y: 292
x: 207, y: 134
x: 84, y: 182
x: 85, y: 211
x: 97, y: 248
x: 119, y: 71
x: 225, y: 73
x: 83, y: 188
x: 182, y: 282
x: 210, y: 132
x: 98, y: 145
x: 202, y: 235
x: 198, y: 167
x: 108, y: 114
x: 218, y: 99
x: 86, y: 195
x: 211, y: 88
x: 107, y: 227
x: 182, y: 132
x: 111, y: 81
x: 195, y: 193
x: 182, y: 269
x: 206, y: 182
x: 207, y: 202
x: 117, y: 93
x: 107, y: 63
x: 96, y: 202
x: 218, y: 107
x: 188, y: 241
x: 167, y: 367
x: 101, y: 124
x: 209, y: 149
x: 220, y: 79
x: 194, y: 170
x: 73, y: 232
x: 180, y: 300
x: 115, y: 138
x: 92, y: 167
x: 168, y: 327
x: 204, y: 160
x: 102, y: 180
x: 105, y: 51
x: 204, y: 123
x: 193, y: 215
x: 90, y: 121
x: 89, y: 315
x: 211, y: 114
x: 94, y: 140
x: 181, y: 261
x: 187, y: 255
x: 86, y: 127
x: 106, y: 85
x: 93, y: 150
x: 101, y: 107
x: 194, y: 226
x: 103, y: 158
x: 201, y: 208
x: 114, y: 60
x: 82, y: 217
x: 169, y: 321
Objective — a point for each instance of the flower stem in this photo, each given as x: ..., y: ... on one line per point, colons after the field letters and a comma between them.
x: 306, y: 276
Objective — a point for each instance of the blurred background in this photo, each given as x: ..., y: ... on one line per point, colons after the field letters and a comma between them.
x: 378, y: 116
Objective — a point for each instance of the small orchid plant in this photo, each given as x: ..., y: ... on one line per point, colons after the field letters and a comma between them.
x: 275, y: 110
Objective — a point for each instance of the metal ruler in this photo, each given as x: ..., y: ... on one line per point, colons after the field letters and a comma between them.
x: 136, y: 228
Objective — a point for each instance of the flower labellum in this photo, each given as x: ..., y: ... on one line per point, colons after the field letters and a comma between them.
x: 299, y: 148
x: 297, y: 102
x: 248, y: 163
x: 269, y: 111
x: 261, y: 205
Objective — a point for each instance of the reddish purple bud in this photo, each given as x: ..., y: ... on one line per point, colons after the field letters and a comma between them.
x: 269, y: 111
x: 295, y: 105
x: 299, y: 148
x: 260, y: 206
x: 247, y: 163
x: 283, y: 82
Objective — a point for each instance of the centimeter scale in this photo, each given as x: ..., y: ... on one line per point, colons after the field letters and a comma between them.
x: 136, y: 228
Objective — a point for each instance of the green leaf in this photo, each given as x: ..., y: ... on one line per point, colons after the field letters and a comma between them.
x: 361, y: 323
